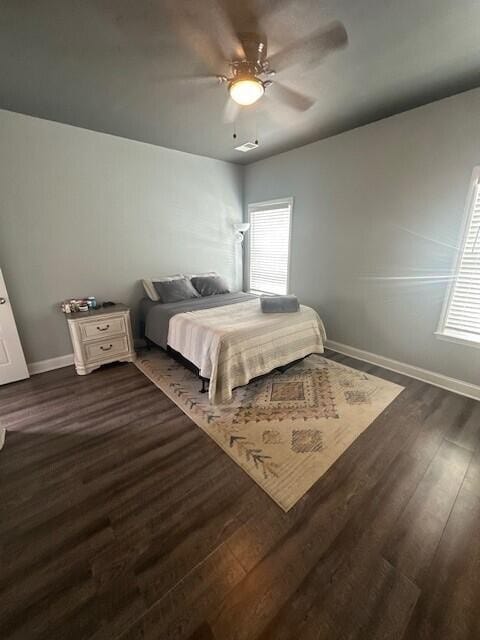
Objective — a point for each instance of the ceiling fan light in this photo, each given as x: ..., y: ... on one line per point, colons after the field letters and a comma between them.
x: 246, y: 90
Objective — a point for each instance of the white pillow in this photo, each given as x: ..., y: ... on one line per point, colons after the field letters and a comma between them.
x: 150, y: 288
x: 201, y: 275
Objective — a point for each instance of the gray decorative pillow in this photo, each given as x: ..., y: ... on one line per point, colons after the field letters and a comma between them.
x: 150, y: 289
x: 175, y: 290
x: 279, y: 304
x: 210, y: 285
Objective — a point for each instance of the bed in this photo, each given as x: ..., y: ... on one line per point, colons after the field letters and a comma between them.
x: 229, y: 340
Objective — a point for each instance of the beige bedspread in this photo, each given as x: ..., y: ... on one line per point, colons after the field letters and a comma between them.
x: 235, y: 343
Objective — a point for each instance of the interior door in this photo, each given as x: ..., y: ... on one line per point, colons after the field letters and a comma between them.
x: 12, y: 361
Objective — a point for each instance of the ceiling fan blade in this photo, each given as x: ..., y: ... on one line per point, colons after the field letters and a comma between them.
x: 243, y: 16
x: 291, y: 98
x: 231, y: 111
x: 267, y: 8
x: 222, y: 29
x: 205, y: 29
x: 185, y: 88
x: 275, y: 112
x: 197, y: 80
x: 312, y: 49
x: 187, y: 82
x: 200, y: 44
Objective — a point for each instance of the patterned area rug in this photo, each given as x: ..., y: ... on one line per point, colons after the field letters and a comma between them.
x: 286, y: 429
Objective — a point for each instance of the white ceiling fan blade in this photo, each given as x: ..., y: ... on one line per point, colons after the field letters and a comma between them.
x: 197, y: 81
x: 231, y: 111
x: 312, y: 49
x: 206, y: 29
x: 291, y: 98
x: 189, y: 79
x: 220, y: 26
x: 185, y: 88
x: 279, y: 114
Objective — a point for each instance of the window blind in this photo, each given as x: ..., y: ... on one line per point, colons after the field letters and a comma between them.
x: 463, y: 310
x: 269, y: 247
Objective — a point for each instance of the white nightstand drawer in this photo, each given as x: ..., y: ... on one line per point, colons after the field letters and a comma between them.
x: 106, y: 349
x: 101, y: 336
x: 102, y: 328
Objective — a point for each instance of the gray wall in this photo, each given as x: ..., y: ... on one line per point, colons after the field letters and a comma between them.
x: 376, y: 224
x: 84, y: 213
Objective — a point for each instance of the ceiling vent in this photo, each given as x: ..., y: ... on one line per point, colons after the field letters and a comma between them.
x: 247, y: 146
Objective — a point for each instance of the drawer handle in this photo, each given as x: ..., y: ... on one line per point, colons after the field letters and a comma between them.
x: 107, y: 326
x: 107, y: 348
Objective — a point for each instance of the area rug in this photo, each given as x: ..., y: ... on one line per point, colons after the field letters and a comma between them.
x: 285, y: 429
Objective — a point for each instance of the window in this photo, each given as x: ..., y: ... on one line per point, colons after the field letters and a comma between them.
x: 461, y: 315
x: 269, y: 246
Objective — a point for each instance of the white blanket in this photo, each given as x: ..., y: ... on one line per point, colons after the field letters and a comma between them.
x: 233, y: 344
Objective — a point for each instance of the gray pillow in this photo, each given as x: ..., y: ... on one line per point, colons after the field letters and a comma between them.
x: 210, y: 285
x: 175, y: 290
x: 279, y: 304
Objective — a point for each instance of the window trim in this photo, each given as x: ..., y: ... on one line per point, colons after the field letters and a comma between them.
x: 442, y: 333
x: 289, y: 200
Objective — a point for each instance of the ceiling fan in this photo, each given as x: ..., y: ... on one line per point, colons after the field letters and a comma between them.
x: 237, y: 43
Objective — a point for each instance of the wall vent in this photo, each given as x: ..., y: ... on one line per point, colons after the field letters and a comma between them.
x: 246, y: 146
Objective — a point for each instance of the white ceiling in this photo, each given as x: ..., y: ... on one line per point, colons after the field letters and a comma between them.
x: 113, y: 66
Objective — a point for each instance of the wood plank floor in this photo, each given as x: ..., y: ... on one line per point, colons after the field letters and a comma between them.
x: 119, y: 518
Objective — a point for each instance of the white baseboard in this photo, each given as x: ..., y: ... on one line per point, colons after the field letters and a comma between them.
x: 48, y: 365
x: 437, y: 379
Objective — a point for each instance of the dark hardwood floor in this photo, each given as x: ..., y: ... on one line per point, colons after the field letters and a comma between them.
x: 119, y: 518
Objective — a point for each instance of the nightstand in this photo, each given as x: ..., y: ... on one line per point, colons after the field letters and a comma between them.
x: 101, y: 336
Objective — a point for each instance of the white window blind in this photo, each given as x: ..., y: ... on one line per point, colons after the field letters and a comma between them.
x: 462, y: 315
x: 269, y: 246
